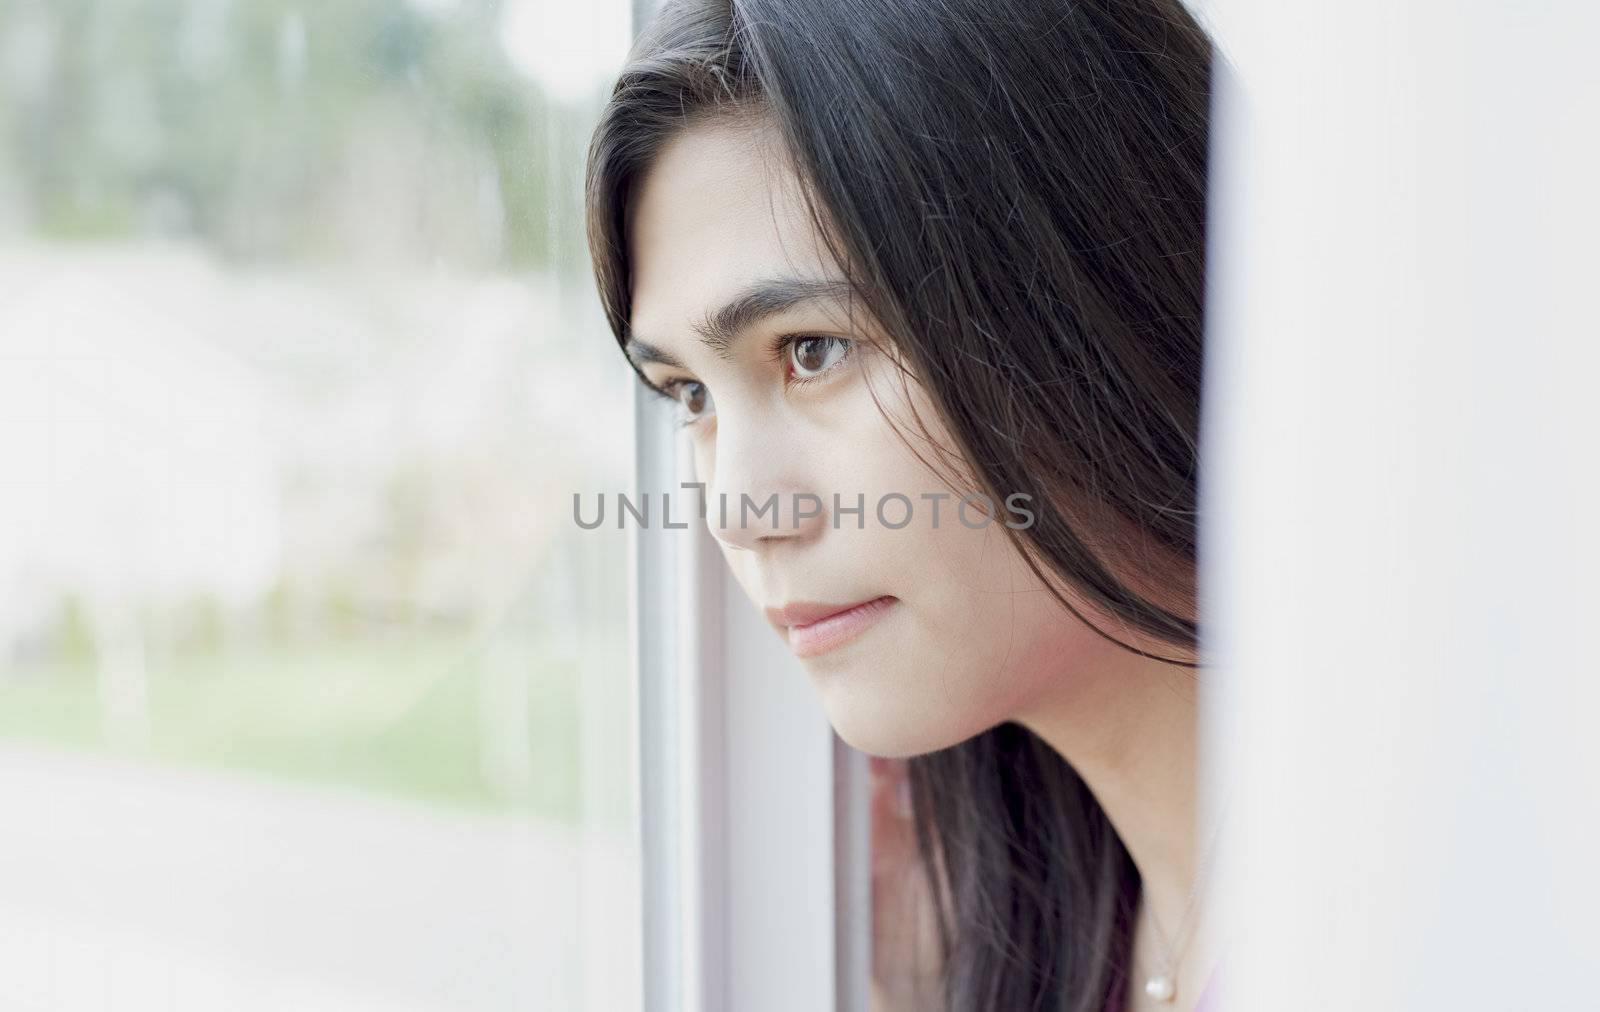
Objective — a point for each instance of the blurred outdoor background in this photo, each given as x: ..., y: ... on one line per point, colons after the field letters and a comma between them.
x: 312, y: 695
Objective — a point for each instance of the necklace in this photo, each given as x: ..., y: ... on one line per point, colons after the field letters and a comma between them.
x: 1162, y: 985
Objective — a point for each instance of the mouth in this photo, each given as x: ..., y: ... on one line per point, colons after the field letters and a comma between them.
x: 818, y: 628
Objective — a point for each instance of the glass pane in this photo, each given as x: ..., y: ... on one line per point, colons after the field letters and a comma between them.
x: 312, y: 695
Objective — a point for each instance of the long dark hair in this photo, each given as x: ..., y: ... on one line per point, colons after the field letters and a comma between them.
x: 1016, y: 189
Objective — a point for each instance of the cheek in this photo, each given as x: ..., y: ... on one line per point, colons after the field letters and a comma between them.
x: 962, y: 649
x: 976, y: 640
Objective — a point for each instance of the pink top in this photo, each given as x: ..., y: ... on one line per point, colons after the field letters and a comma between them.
x: 1208, y: 995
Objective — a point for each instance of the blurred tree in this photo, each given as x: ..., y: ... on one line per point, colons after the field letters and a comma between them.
x: 281, y: 129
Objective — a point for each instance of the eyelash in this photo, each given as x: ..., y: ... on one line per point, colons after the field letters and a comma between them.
x: 777, y: 353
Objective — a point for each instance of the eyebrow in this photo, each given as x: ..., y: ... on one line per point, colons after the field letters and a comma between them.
x: 750, y: 305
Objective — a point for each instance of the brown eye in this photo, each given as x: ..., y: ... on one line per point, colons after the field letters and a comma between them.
x: 693, y: 397
x: 811, y: 356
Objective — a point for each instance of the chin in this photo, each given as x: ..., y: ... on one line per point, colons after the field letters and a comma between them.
x: 888, y: 724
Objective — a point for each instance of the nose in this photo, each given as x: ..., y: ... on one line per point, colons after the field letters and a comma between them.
x: 745, y: 520
x: 757, y: 495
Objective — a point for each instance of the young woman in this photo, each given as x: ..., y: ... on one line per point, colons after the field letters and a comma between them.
x: 884, y: 255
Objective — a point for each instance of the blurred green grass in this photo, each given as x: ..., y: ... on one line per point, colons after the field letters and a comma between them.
x: 415, y: 716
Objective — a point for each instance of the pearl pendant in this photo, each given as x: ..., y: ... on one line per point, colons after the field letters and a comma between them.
x: 1160, y: 987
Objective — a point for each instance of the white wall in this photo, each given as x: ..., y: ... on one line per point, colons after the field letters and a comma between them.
x: 1401, y: 547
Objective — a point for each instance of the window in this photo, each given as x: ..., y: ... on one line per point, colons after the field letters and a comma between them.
x: 312, y: 696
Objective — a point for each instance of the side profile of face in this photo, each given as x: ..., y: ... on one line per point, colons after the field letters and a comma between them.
x: 961, y: 635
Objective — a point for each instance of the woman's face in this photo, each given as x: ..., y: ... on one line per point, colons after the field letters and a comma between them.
x: 962, y: 635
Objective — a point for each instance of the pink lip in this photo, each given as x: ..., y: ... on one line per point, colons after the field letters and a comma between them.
x: 817, y: 628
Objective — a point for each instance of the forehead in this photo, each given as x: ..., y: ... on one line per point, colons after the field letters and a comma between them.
x: 718, y: 208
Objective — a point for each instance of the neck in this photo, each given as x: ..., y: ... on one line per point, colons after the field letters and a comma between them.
x: 1129, y: 726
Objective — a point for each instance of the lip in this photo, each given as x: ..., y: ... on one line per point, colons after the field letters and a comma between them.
x: 815, y: 628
